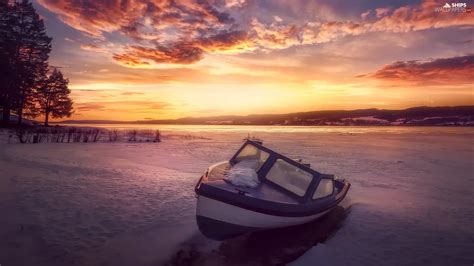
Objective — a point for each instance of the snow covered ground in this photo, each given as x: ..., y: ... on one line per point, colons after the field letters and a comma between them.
x: 133, y: 204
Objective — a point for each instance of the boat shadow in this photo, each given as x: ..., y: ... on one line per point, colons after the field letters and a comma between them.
x: 269, y: 247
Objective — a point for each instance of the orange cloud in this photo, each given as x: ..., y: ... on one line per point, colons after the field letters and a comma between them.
x: 137, y: 106
x: 96, y: 17
x: 85, y: 107
x: 137, y: 75
x: 91, y: 47
x: 183, y: 52
x: 131, y: 60
x: 182, y: 31
x: 180, y: 53
x: 421, y: 17
x: 278, y: 35
x: 225, y: 41
x: 402, y: 19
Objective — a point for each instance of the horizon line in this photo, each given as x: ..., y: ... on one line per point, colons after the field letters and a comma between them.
x: 249, y: 115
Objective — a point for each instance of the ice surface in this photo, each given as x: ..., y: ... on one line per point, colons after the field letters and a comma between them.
x: 133, y: 204
x: 243, y: 174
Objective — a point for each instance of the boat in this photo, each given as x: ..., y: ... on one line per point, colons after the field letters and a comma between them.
x: 260, y: 189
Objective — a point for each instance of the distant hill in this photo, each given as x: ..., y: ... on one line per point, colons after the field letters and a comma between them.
x: 416, y: 116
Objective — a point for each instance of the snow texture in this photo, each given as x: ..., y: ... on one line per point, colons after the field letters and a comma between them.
x: 134, y: 204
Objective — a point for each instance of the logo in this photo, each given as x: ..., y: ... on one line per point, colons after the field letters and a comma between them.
x: 453, y: 8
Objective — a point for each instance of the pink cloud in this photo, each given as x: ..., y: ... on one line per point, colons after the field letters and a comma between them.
x: 182, y: 32
x: 454, y: 70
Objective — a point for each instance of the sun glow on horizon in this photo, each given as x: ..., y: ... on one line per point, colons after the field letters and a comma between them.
x: 245, y: 58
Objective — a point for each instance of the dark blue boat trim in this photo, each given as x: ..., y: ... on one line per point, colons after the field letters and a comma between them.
x: 274, y: 208
x: 219, y: 230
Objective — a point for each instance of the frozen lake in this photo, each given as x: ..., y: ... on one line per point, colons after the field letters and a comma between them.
x: 133, y: 203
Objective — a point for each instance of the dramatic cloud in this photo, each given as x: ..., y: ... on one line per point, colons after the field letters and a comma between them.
x: 180, y: 53
x: 182, y: 31
x: 279, y: 34
x: 233, y: 41
x: 131, y: 59
x: 455, y: 70
x: 421, y: 17
x: 96, y: 17
x: 183, y: 52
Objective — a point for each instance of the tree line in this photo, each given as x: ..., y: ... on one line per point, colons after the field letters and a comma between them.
x: 29, y: 86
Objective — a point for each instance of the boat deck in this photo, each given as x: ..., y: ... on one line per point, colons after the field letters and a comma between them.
x: 263, y: 191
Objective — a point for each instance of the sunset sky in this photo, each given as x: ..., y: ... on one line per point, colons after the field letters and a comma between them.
x: 137, y: 60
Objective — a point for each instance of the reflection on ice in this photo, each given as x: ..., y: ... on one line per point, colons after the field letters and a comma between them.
x: 271, y: 247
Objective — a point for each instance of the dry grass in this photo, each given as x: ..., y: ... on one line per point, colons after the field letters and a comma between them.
x: 84, y: 135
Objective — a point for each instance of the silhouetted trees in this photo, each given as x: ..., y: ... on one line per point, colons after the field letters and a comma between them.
x: 53, y: 96
x: 7, y: 52
x: 24, y: 53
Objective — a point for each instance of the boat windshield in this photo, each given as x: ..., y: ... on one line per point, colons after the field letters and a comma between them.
x: 253, y: 155
x: 290, y: 177
x: 325, y: 188
x: 282, y: 172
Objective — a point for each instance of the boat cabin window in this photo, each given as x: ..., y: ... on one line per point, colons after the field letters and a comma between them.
x: 325, y: 188
x: 253, y: 156
x: 290, y: 177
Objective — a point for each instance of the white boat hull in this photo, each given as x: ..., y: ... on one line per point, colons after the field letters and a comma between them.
x: 219, y: 220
